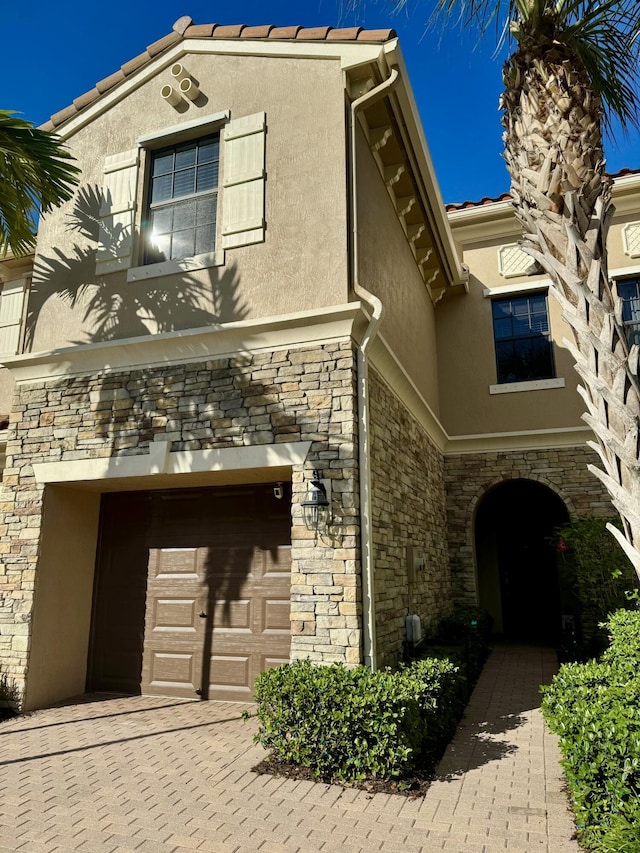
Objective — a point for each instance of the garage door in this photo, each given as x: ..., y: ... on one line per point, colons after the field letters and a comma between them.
x: 217, y: 591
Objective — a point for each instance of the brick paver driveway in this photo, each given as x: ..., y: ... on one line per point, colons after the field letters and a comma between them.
x: 150, y: 775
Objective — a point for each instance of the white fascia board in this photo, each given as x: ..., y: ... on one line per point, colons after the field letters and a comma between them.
x: 485, y: 222
x: 442, y: 233
x: 302, y: 328
x: 348, y: 53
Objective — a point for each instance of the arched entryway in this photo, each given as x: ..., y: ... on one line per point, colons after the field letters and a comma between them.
x: 517, y: 569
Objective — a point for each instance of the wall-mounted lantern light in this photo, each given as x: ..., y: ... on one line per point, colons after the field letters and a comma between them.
x: 316, y: 505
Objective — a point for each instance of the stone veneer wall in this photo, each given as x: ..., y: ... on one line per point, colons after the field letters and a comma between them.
x: 470, y: 475
x: 408, y: 509
x: 297, y: 395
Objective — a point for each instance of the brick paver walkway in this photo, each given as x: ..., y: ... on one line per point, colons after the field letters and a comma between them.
x: 150, y: 775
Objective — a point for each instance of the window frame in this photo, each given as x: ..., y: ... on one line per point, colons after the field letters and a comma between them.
x: 173, y: 201
x: 629, y: 324
x: 550, y: 380
x: 148, y: 145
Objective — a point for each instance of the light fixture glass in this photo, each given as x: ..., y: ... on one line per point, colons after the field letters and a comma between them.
x: 315, y: 506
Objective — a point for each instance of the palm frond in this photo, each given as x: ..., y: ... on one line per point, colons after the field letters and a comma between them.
x: 604, y: 35
x: 602, y: 38
x: 36, y: 174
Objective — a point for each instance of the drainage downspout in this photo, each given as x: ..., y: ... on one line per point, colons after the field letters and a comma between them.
x: 377, y: 310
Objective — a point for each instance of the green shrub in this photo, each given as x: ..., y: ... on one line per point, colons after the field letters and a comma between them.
x: 596, y: 577
x: 353, y: 724
x: 594, y: 708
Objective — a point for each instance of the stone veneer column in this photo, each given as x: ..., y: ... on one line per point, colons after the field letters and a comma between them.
x: 470, y: 475
x: 305, y: 394
x: 408, y: 506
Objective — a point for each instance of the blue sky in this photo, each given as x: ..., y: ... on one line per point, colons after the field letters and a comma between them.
x: 55, y: 51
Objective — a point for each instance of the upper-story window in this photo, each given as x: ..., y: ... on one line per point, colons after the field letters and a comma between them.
x: 179, y: 224
x: 522, y: 338
x: 183, y: 200
x: 629, y: 293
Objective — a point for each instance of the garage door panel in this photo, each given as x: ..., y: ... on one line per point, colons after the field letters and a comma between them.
x: 277, y: 561
x: 232, y: 615
x: 174, y: 563
x: 175, y: 614
x: 276, y: 615
x: 178, y: 672
x: 269, y: 661
x: 229, y: 671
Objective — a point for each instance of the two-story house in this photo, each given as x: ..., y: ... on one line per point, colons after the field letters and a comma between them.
x: 267, y: 398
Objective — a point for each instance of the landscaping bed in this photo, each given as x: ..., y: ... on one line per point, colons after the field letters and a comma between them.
x: 381, y: 731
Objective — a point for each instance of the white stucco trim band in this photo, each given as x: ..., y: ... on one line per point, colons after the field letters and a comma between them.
x: 160, y: 461
x: 541, y: 439
x: 220, y: 340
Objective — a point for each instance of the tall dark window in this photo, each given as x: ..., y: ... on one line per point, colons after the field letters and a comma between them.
x: 522, y: 339
x: 183, y: 196
x: 629, y: 293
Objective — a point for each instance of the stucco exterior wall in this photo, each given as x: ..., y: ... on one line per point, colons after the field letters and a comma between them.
x: 470, y: 476
x: 408, y: 510
x: 302, y: 263
x: 306, y: 394
x: 388, y: 269
x: 467, y: 362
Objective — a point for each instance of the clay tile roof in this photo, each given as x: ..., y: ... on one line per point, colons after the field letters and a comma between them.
x: 86, y: 99
x: 109, y: 82
x: 313, y: 33
x: 229, y: 31
x: 376, y: 35
x: 257, y: 32
x: 284, y: 32
x: 160, y: 45
x: 345, y: 34
x: 468, y: 204
x: 465, y: 205
x: 181, y: 24
x: 199, y: 31
x: 185, y: 28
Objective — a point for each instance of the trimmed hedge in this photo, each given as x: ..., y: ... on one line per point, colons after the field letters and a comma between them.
x: 594, y: 707
x: 354, y: 724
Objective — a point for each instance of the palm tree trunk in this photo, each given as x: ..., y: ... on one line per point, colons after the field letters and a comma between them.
x: 553, y: 150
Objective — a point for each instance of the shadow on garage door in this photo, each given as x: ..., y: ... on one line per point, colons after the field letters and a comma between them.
x: 192, y: 591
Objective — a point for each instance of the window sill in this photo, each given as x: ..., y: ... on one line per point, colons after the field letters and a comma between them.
x: 177, y: 267
x: 533, y: 385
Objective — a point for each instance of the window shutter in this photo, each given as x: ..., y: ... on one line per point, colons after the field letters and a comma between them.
x: 11, y: 305
x: 243, y: 181
x: 115, y: 237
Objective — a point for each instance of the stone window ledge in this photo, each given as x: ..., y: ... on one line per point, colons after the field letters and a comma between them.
x: 534, y: 385
x: 183, y: 265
